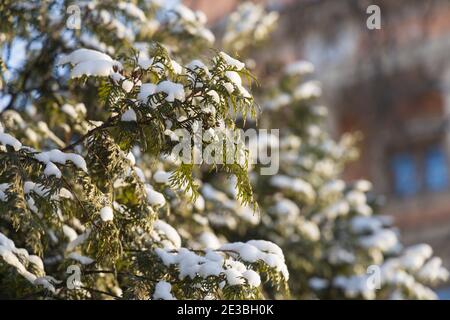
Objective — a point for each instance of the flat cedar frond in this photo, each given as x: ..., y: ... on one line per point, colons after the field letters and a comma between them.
x: 182, y: 179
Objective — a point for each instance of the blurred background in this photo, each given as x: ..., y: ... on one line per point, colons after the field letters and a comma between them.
x: 392, y: 85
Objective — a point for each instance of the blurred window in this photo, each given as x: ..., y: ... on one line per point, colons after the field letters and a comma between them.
x: 406, y: 182
x: 436, y: 169
x: 421, y: 168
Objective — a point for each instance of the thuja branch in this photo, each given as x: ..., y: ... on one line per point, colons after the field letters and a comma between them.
x: 107, y: 124
x: 110, y: 123
x: 100, y: 292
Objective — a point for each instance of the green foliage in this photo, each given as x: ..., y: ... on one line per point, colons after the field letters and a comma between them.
x: 81, y: 189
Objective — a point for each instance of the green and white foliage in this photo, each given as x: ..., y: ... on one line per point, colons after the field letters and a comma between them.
x: 42, y: 30
x: 250, y: 25
x: 335, y: 243
x: 95, y: 204
x: 88, y: 179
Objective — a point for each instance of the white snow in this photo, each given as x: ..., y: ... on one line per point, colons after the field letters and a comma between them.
x: 318, y: 283
x: 253, y: 278
x: 39, y: 189
x: 163, y: 291
x: 354, y: 285
x: 236, y: 81
x: 199, y: 203
x: 44, y: 282
x: 214, y: 95
x: 184, y: 18
x: 433, y: 271
x: 234, y: 77
x: 364, y: 210
x: 212, y: 263
x: 191, y: 264
x: 127, y: 85
x: 81, y: 108
x: 308, y: 90
x: 286, y: 208
x: 176, y: 67
x: 8, y: 140
x: 9, y: 254
x: 166, y: 230
x: 174, y: 91
x: 79, y: 240
x: 361, y: 224
x: 310, y: 230
x: 89, y: 62
x: 155, y: 198
x: 331, y: 188
x: 415, y: 256
x: 234, y: 277
x: 52, y: 170
x: 132, y: 10
x: 90, y: 40
x: 60, y: 157
x: 162, y: 176
x: 422, y: 292
x: 247, y: 213
x: 131, y: 157
x: 209, y: 240
x: 140, y: 174
x: 11, y: 259
x: 255, y: 250
x: 144, y: 61
x: 185, y: 13
x: 278, y: 101
x: 356, y: 198
x: 81, y: 259
x: 232, y: 61
x: 32, y: 205
x: 82, y: 55
x: 294, y: 184
x: 100, y: 68
x: 32, y: 135
x: 320, y: 111
x: 197, y: 65
x: 129, y: 116
x: 210, y: 193
x: 338, y: 255
x: 336, y: 209
x: 147, y: 89
x: 121, y: 30
x: 172, y: 135
x: 37, y: 261
x: 116, y: 77
x: 69, y: 110
x: 393, y: 273
x: 69, y: 232
x: 3, y: 188
x: 107, y: 214
x: 363, y: 185
x: 384, y: 239
x: 300, y: 67
x: 229, y: 87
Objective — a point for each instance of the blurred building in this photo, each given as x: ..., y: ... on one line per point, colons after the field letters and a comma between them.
x: 391, y: 84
